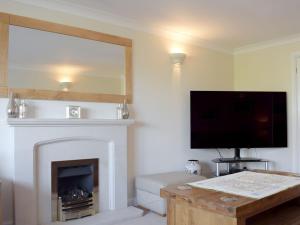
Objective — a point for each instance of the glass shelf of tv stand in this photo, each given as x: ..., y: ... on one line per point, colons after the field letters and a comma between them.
x: 230, y: 161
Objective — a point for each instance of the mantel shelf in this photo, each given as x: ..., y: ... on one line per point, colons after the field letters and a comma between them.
x: 67, y: 122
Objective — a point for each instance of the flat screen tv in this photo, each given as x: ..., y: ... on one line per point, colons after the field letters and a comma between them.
x: 234, y: 119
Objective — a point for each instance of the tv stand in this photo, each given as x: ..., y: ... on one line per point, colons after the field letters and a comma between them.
x: 230, y: 161
x: 237, y: 154
x: 239, y: 160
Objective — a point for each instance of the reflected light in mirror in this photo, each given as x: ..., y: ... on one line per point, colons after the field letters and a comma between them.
x: 177, y: 49
x: 66, y: 72
x: 65, y: 85
x: 177, y: 58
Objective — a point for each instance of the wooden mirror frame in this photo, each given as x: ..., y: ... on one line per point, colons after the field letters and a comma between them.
x: 9, y: 19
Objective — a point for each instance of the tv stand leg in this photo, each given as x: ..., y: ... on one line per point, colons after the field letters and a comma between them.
x: 237, y: 154
x: 266, y: 165
x: 218, y: 170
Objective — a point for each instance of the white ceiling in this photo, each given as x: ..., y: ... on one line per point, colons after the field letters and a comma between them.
x: 226, y: 24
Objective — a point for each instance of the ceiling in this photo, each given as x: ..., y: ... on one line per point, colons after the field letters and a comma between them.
x: 225, y: 24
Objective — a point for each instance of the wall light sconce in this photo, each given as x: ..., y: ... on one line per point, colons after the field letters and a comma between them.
x: 177, y: 58
x: 65, y: 85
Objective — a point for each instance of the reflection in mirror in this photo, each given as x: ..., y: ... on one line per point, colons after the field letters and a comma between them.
x: 50, y: 61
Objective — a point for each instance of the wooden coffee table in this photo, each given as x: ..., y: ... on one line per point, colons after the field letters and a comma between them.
x: 207, y: 207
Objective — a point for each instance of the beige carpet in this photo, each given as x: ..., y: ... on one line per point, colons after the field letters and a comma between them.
x: 148, y: 219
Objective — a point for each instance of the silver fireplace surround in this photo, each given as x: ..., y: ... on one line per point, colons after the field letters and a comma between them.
x: 74, y: 189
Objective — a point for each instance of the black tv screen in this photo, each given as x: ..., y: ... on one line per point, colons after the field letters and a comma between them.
x: 233, y: 119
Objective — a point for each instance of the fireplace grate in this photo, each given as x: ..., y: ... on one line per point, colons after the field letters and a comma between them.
x: 76, y: 209
x: 75, y: 192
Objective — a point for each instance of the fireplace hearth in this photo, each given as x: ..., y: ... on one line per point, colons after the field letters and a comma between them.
x: 74, y: 189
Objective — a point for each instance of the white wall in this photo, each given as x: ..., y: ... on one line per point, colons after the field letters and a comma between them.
x: 272, y: 69
x: 159, y: 141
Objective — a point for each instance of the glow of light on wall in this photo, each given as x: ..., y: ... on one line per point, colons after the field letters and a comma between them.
x: 176, y: 78
x: 179, y: 34
x: 176, y: 70
x: 178, y: 41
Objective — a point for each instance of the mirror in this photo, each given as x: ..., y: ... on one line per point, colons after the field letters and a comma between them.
x: 49, y: 61
x: 57, y: 62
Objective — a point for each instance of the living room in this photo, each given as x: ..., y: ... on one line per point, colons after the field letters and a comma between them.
x: 221, y: 46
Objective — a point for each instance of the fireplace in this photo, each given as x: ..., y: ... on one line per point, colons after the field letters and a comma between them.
x: 39, y: 142
x: 74, y: 189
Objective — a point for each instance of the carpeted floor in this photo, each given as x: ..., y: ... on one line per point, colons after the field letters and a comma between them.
x: 148, y: 219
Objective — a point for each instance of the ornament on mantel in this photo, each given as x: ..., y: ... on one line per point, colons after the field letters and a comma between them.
x: 125, y: 110
x: 12, y: 106
x: 23, y: 108
x: 73, y: 112
x: 122, y: 111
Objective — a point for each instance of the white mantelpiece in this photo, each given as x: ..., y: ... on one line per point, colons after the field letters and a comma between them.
x: 38, y: 142
x: 67, y: 122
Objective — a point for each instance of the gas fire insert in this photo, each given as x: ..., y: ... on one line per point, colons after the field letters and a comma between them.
x: 74, y: 189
